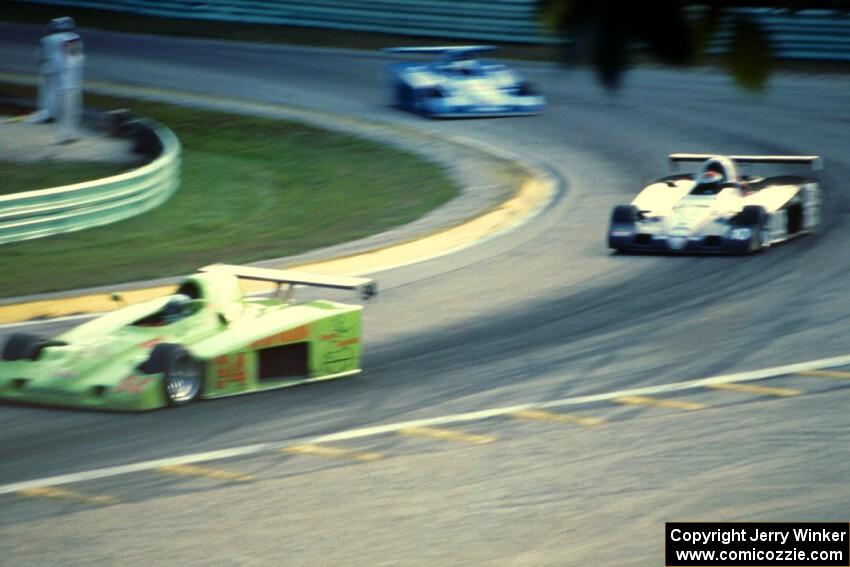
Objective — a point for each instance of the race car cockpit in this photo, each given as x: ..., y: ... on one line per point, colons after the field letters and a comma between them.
x: 177, y: 308
x: 462, y: 66
x: 709, y: 183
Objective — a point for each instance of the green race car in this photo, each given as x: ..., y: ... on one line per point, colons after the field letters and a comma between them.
x: 204, y: 341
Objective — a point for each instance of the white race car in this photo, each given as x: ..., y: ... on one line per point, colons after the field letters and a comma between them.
x: 719, y: 210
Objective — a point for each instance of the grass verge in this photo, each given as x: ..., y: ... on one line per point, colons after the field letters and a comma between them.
x: 252, y: 188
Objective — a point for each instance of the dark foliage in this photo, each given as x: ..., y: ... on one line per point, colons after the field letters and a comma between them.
x: 608, y: 32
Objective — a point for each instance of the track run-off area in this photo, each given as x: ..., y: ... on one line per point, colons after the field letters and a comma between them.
x: 532, y: 400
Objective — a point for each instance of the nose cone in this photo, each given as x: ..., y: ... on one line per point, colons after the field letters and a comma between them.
x: 689, y: 218
x: 685, y: 221
x: 677, y: 242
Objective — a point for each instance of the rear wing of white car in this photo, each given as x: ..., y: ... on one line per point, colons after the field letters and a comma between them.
x: 815, y: 162
x: 366, y: 287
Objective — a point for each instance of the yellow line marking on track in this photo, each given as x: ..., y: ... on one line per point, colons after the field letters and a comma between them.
x: 529, y: 197
x: 332, y: 452
x: 824, y: 374
x: 447, y: 435
x: 204, y: 472
x: 659, y: 402
x: 540, y: 415
x: 754, y: 389
x: 55, y: 493
x: 508, y: 213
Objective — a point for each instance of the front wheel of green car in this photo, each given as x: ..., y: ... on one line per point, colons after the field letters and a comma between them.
x: 183, y: 376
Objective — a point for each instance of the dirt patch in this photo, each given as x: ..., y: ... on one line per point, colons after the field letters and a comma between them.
x: 24, y: 142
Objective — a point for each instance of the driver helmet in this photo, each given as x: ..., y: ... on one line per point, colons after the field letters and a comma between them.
x: 710, y: 182
x: 59, y: 25
x: 712, y: 176
x: 177, y: 308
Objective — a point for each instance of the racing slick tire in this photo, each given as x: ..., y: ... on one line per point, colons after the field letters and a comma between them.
x: 757, y: 220
x: 526, y: 89
x: 416, y: 101
x: 794, y: 216
x: 403, y: 97
x: 420, y: 98
x: 624, y: 214
x: 24, y: 346
x: 183, y: 376
x: 622, y: 217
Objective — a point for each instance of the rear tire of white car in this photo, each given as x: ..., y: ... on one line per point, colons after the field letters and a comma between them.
x: 757, y: 220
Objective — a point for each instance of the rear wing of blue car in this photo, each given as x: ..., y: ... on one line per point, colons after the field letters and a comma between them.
x: 815, y: 162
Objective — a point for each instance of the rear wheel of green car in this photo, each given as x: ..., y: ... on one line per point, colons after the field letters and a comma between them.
x: 24, y: 346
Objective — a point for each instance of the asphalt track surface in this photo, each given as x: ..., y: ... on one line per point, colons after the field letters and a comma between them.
x: 545, y: 312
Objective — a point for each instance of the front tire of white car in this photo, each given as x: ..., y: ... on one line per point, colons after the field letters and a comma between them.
x: 766, y: 237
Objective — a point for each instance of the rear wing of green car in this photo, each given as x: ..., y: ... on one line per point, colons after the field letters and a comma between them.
x: 366, y: 287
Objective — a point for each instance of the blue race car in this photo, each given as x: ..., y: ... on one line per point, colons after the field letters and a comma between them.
x: 459, y: 85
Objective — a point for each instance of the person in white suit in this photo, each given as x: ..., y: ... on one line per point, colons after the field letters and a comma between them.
x: 61, y: 68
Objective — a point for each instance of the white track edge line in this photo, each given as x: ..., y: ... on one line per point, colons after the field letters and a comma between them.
x: 360, y: 433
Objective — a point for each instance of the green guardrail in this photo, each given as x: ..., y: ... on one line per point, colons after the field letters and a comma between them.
x: 36, y: 214
x: 810, y: 34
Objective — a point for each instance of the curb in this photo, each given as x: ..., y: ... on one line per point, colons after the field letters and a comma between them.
x: 541, y: 189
